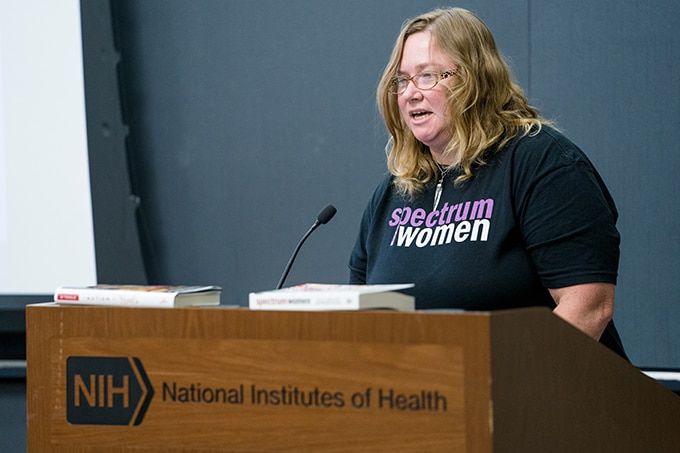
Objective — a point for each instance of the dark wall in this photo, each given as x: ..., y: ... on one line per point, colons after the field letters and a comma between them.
x: 608, y: 71
x: 247, y: 117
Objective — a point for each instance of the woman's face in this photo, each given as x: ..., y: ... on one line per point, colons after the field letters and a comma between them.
x: 425, y: 111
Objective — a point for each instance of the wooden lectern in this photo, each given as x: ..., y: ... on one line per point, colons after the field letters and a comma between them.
x: 218, y: 379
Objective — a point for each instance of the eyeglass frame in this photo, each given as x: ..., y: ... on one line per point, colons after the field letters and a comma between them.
x: 394, y: 82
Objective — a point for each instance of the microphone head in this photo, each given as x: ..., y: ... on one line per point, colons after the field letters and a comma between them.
x: 326, y: 214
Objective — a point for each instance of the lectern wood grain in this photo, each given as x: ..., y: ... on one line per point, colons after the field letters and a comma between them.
x: 236, y: 380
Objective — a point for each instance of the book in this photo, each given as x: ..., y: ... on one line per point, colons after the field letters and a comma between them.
x: 139, y: 295
x: 326, y: 297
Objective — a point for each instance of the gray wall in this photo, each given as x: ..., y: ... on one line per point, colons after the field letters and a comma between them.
x: 608, y: 71
x: 247, y: 117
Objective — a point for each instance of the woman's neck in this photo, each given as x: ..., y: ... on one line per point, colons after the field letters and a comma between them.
x: 444, y: 159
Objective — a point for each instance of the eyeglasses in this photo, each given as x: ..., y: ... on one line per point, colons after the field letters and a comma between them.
x: 422, y: 81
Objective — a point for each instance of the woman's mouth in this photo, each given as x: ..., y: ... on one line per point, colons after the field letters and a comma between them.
x: 418, y: 114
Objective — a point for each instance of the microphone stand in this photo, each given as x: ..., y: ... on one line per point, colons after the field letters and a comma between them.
x: 297, y: 249
x: 324, y: 216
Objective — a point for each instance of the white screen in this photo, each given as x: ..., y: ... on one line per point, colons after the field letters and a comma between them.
x: 46, y: 231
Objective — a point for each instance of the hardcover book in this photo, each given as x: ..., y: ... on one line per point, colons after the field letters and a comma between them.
x: 320, y: 297
x: 139, y: 295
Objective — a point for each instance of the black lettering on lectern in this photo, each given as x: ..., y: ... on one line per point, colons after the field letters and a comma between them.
x: 106, y: 391
x: 426, y: 400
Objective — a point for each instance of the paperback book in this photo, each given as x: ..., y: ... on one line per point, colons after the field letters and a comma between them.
x: 139, y: 295
x: 326, y: 297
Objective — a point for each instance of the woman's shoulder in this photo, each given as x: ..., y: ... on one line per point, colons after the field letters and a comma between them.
x: 382, y: 190
x: 546, y: 146
x: 385, y: 186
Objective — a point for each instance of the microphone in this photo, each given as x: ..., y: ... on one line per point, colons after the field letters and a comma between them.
x: 323, y: 217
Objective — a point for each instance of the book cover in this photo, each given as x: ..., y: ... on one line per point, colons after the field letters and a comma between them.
x: 139, y: 295
x: 320, y: 297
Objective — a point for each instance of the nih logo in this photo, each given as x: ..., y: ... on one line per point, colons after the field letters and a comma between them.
x: 106, y: 391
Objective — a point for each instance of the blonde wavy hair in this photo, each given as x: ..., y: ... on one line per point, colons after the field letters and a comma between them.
x: 487, y: 108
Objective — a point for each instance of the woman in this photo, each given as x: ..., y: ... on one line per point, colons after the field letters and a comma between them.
x: 487, y: 206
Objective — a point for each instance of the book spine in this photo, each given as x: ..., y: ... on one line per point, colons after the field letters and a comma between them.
x: 84, y: 296
x: 303, y: 301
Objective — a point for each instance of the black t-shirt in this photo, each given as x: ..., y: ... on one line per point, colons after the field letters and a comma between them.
x: 536, y: 216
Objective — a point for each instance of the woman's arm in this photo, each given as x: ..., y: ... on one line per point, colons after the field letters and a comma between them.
x: 589, y: 306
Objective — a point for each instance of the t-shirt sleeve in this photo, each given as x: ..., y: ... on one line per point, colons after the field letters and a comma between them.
x: 567, y: 218
x: 358, y: 262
